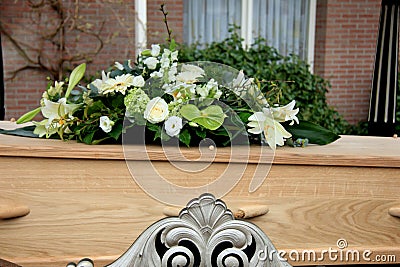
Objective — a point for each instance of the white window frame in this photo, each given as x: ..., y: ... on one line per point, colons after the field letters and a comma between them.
x: 140, y: 25
x: 311, y: 34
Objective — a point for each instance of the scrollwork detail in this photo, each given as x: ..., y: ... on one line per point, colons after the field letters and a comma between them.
x: 205, y: 234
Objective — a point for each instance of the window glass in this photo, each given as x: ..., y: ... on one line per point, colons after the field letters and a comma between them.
x: 283, y: 23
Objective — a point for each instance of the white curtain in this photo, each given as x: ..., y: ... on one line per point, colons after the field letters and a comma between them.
x: 206, y: 21
x: 283, y: 23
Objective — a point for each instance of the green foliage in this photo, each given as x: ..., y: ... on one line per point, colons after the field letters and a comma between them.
x: 289, y: 74
x: 313, y: 132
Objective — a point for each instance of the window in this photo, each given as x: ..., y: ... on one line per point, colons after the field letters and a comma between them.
x: 287, y: 25
x: 208, y: 20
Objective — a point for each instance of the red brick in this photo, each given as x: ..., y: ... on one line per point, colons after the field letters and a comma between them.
x: 346, y: 32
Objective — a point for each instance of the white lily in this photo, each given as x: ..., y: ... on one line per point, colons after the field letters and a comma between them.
x: 241, y: 81
x: 57, y: 114
x: 56, y: 89
x: 274, y: 132
x: 41, y: 129
x: 99, y: 84
x: 286, y: 113
x: 119, y: 66
x: 189, y: 73
x: 181, y: 90
x: 58, y: 110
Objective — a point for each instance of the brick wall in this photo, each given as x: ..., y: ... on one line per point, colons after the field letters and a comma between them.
x: 157, y: 32
x: 23, y: 92
x: 346, y: 34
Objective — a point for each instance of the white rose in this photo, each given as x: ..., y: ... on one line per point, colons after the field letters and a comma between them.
x: 151, y: 62
x: 173, y: 126
x: 155, y: 50
x: 156, y: 110
x: 138, y: 81
x: 106, y: 124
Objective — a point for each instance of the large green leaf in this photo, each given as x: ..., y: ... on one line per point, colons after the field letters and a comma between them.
x: 26, y: 131
x: 210, y: 118
x: 75, y: 77
x: 314, y: 133
x: 190, y: 112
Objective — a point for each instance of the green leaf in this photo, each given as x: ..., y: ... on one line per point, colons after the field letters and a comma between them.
x: 244, y: 116
x: 88, y: 138
x: 172, y: 45
x: 98, y: 141
x: 200, y: 132
x: 210, y: 118
x: 314, y: 133
x: 97, y: 106
x: 118, y: 101
x: 26, y: 131
x: 146, y: 53
x: 28, y: 116
x: 75, y: 77
x: 156, y: 129
x: 184, y: 137
x: 126, y: 66
x: 116, y: 131
x: 190, y: 112
x: 94, y: 91
x: 165, y: 136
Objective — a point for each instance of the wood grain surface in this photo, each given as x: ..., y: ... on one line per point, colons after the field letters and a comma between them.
x: 85, y: 202
x: 346, y: 151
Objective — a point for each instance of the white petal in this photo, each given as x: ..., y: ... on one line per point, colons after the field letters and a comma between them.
x: 258, y: 116
x: 255, y: 130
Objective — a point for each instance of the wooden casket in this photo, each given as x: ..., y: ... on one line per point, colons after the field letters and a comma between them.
x: 84, y: 201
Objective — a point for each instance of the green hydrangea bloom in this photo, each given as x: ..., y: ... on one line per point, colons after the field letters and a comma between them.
x: 135, y: 103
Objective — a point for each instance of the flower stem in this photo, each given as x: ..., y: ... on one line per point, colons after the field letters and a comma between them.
x: 165, y: 13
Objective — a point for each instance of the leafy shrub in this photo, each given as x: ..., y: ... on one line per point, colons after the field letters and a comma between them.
x: 273, y: 70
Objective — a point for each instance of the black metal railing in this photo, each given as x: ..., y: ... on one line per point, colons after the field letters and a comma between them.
x: 2, y: 91
x: 382, y: 111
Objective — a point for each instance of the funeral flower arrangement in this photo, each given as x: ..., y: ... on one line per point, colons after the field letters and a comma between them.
x: 168, y: 100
